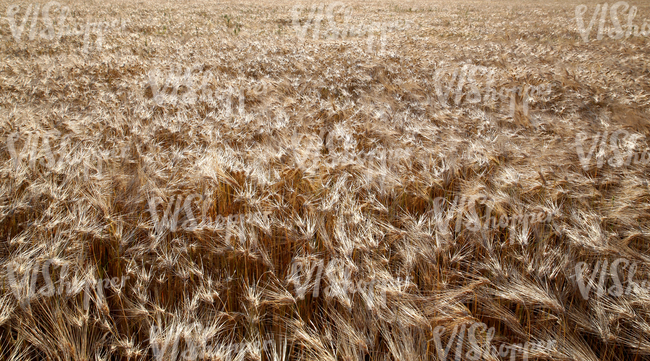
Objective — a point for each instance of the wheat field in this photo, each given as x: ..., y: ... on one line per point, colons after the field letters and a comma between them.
x: 238, y: 180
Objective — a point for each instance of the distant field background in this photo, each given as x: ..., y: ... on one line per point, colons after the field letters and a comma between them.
x: 319, y: 151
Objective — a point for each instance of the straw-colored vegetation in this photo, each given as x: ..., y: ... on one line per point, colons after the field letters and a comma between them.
x: 346, y: 146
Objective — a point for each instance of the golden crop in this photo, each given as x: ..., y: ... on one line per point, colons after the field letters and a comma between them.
x: 323, y: 181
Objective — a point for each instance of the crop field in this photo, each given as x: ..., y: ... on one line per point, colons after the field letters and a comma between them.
x: 239, y: 180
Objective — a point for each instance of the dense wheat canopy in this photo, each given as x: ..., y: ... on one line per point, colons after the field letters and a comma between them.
x: 242, y: 180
